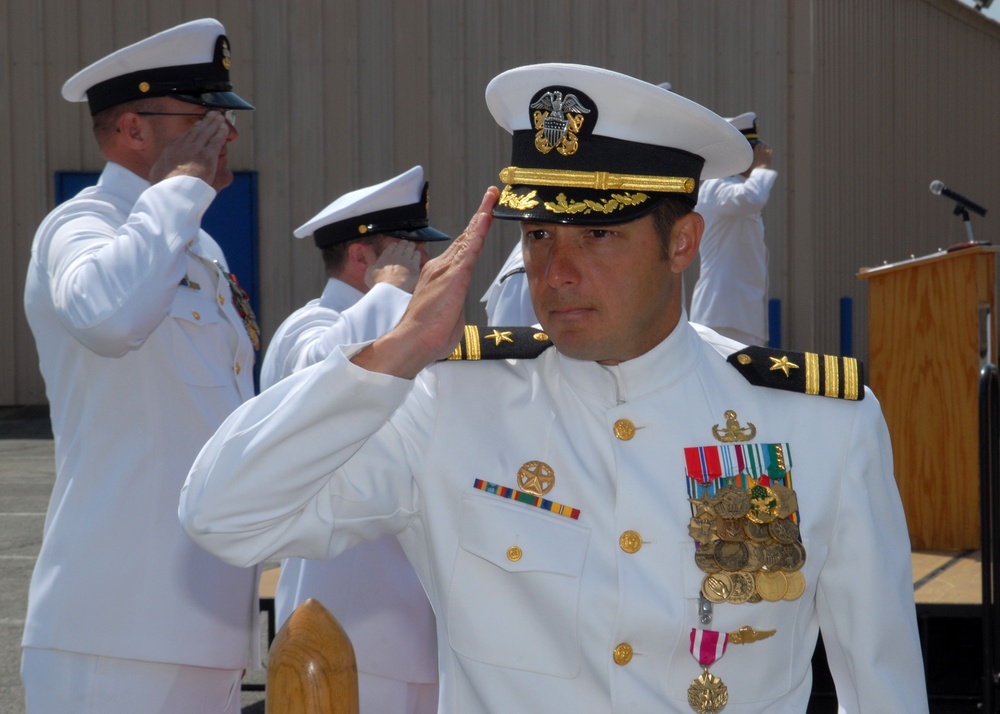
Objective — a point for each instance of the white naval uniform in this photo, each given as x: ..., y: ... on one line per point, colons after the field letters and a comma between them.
x: 731, y: 292
x: 531, y: 605
x: 139, y: 371
x: 371, y: 589
x: 508, y: 300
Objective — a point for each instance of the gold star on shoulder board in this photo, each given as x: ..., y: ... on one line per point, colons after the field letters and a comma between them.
x: 784, y: 364
x: 499, y: 337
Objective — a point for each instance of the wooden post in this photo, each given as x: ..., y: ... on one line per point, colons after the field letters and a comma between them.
x: 311, y: 667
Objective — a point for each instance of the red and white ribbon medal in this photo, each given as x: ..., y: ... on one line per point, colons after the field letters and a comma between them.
x: 707, y: 694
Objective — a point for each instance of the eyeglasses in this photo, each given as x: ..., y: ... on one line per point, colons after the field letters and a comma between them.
x: 229, y: 114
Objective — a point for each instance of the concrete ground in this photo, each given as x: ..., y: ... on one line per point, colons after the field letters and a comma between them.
x: 27, y: 473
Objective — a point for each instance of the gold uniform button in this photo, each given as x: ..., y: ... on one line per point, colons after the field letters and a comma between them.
x: 623, y: 654
x: 624, y: 429
x: 222, y: 300
x: 514, y: 554
x: 630, y: 541
x: 238, y: 368
x: 196, y: 315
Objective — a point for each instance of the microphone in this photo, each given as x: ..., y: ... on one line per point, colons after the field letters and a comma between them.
x: 939, y: 189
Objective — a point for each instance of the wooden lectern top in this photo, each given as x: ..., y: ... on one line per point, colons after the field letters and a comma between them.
x: 960, y: 250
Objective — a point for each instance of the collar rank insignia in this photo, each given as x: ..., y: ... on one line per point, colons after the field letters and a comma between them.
x: 481, y: 343
x: 805, y: 372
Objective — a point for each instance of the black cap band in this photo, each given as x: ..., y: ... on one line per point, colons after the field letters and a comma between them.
x: 187, y: 82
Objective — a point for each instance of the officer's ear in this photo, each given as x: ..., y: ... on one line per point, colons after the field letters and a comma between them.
x: 131, y: 129
x: 361, y: 254
x: 685, y: 238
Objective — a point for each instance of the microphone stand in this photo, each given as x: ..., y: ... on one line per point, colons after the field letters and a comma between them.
x: 960, y: 210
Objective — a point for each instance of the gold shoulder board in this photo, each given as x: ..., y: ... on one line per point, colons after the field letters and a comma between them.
x: 500, y: 343
x: 805, y: 372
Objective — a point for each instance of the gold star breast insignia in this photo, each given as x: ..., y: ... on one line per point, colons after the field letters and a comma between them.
x: 499, y: 337
x: 783, y: 364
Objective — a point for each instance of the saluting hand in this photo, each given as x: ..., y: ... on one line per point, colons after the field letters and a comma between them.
x: 399, y: 265
x: 195, y: 152
x: 433, y: 322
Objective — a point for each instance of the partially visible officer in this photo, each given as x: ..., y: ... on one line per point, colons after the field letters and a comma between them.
x: 146, y: 343
x: 374, y: 243
x: 644, y: 518
x: 731, y: 293
x: 508, y: 299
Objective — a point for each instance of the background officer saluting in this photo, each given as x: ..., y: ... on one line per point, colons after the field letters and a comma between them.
x: 145, y: 345
x: 374, y: 243
x: 642, y: 518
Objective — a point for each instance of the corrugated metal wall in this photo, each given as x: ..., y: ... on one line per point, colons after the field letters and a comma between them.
x: 864, y: 101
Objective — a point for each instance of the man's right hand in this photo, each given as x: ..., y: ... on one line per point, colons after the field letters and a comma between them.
x: 761, y: 156
x: 194, y: 152
x: 433, y: 322
x: 398, y: 264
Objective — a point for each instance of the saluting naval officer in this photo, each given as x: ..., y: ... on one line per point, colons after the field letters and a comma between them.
x: 374, y: 244
x: 619, y: 512
x: 146, y: 344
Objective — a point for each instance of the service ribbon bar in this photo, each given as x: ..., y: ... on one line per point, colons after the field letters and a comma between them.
x: 710, y: 468
x: 527, y: 498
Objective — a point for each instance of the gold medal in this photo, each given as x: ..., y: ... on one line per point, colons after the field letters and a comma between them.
x: 717, y: 586
x: 731, y: 502
x: 707, y: 694
x: 730, y: 529
x: 796, y: 583
x: 704, y: 558
x: 784, y: 530
x: 731, y: 556
x: 772, y: 586
x: 701, y: 530
x: 744, y: 586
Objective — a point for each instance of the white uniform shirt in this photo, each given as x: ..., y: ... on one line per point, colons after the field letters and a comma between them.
x: 531, y: 605
x: 732, y: 286
x: 371, y: 589
x: 508, y: 300
x: 139, y: 371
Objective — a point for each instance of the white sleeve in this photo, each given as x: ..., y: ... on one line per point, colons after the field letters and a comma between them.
x: 865, y: 601
x: 268, y: 483
x: 741, y: 198
x: 314, y: 337
x: 113, y: 284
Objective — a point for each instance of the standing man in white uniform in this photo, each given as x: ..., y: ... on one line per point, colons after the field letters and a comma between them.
x: 731, y: 293
x: 374, y: 243
x: 146, y: 344
x: 643, y: 518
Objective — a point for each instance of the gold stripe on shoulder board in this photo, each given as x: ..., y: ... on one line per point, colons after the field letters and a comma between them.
x: 481, y: 343
x: 805, y: 372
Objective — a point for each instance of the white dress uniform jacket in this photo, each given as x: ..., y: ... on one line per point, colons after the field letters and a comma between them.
x: 143, y: 356
x: 371, y: 588
x: 508, y: 300
x: 530, y: 604
x: 732, y: 286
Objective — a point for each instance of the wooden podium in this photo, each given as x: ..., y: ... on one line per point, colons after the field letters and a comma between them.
x: 932, y: 325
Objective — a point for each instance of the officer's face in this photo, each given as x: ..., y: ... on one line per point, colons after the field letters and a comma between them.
x: 605, y: 293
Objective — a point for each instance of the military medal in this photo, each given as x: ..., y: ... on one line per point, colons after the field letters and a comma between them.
x: 241, y: 301
x: 707, y: 694
x: 744, y: 520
